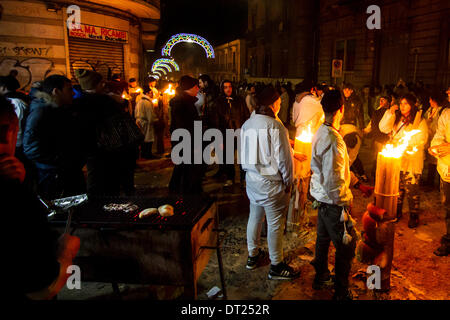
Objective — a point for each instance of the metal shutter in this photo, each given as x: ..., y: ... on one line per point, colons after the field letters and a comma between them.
x: 104, y: 57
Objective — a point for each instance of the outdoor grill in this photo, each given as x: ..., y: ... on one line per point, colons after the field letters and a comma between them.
x: 119, y: 247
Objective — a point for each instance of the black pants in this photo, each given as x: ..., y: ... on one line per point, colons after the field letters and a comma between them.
x: 357, y: 167
x: 146, y: 150
x: 186, y: 179
x: 329, y: 228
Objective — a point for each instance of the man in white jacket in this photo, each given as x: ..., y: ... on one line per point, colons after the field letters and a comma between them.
x: 266, y: 156
x: 145, y: 119
x: 330, y: 186
x: 307, y: 111
x: 440, y: 148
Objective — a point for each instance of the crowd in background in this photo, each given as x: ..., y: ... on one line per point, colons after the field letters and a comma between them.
x: 105, y: 126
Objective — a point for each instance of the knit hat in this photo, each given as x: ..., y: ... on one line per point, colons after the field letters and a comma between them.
x: 331, y: 101
x: 267, y: 96
x: 88, y: 79
x: 187, y: 82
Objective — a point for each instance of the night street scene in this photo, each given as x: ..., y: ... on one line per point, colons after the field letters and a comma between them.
x: 225, y: 152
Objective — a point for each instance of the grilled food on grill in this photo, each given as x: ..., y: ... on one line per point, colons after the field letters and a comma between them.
x: 120, y: 207
x: 166, y: 210
x: 147, y: 212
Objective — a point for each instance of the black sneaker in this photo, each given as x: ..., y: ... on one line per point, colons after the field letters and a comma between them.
x: 282, y: 272
x: 343, y: 296
x: 254, y: 262
x: 324, y: 282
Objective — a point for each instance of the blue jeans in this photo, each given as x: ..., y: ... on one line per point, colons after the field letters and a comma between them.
x: 276, y: 218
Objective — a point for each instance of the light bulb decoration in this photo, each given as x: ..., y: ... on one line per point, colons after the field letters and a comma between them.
x: 189, y: 38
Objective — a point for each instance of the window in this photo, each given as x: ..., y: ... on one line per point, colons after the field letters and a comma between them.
x: 346, y: 51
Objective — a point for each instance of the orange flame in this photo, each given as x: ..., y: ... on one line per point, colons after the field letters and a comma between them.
x: 391, y: 151
x: 306, y: 136
x: 169, y: 90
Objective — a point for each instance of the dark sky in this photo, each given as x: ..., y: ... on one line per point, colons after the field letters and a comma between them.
x: 218, y: 21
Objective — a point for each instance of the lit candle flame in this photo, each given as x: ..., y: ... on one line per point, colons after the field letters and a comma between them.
x: 306, y: 135
x: 169, y: 90
x: 155, y: 101
x: 391, y: 151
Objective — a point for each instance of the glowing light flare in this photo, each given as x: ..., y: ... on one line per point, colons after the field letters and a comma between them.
x: 306, y: 136
x: 155, y: 101
x: 391, y: 151
x: 170, y: 91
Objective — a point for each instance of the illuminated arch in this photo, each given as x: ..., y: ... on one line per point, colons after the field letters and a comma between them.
x: 166, y: 61
x: 159, y: 74
x: 161, y: 70
x: 186, y: 37
x: 156, y: 76
x: 163, y: 65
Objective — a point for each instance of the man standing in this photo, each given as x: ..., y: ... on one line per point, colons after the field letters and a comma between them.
x: 307, y: 111
x: 186, y: 177
x: 330, y: 186
x: 230, y: 112
x: 145, y: 118
x: 266, y: 156
x: 373, y: 131
x: 134, y: 91
x: 440, y: 148
x: 52, y: 140
x: 353, y: 107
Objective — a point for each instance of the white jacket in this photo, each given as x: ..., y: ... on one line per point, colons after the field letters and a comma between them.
x: 410, y: 163
x: 145, y: 118
x: 19, y: 107
x: 330, y: 181
x: 443, y: 136
x: 308, y: 110
x: 266, y: 156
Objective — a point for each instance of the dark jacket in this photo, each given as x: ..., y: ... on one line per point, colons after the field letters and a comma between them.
x: 52, y: 135
x: 375, y: 132
x: 353, y: 111
x: 183, y: 112
x: 228, y: 112
x: 93, y: 109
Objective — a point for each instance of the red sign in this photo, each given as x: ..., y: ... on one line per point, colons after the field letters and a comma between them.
x: 87, y: 31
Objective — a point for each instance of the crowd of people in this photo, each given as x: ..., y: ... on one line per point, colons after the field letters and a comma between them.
x: 48, y: 135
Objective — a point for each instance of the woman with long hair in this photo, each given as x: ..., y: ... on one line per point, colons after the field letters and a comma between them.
x: 395, y: 122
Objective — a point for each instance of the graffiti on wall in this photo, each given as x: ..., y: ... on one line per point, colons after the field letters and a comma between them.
x: 25, y: 51
x: 106, y: 70
x: 29, y: 70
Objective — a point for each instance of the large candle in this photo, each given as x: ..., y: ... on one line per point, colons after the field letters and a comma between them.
x: 303, y: 145
x: 387, y: 182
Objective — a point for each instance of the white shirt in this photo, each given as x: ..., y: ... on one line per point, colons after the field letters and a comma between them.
x: 441, y: 136
x: 410, y: 163
x: 308, y: 110
x: 266, y: 156
x: 330, y: 181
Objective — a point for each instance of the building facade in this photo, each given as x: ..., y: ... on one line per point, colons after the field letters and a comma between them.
x: 412, y: 44
x: 229, y: 62
x: 281, y: 41
x: 36, y: 41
